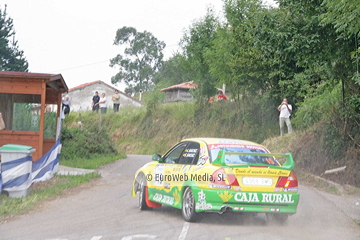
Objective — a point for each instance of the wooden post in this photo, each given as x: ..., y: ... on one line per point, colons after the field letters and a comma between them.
x: 42, y: 119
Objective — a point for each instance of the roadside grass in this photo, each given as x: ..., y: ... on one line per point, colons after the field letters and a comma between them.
x: 56, y: 186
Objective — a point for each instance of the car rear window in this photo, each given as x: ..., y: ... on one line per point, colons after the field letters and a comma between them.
x: 241, y: 159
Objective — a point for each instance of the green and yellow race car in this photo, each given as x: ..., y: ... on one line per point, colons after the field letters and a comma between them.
x: 218, y: 175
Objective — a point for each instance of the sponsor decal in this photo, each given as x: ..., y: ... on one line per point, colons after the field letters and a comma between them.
x: 202, y: 205
x: 225, y: 196
x: 263, y: 197
x: 176, y: 196
x: 220, y: 186
x: 202, y: 150
x: 237, y: 188
x: 163, y: 199
x: 186, y: 168
x: 290, y: 189
x: 190, y: 153
x: 239, y: 208
x: 268, y: 172
x: 159, y: 170
x: 202, y: 160
x: 224, y: 146
x: 274, y: 209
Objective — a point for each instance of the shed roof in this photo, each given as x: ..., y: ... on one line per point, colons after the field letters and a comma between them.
x: 185, y: 85
x: 56, y: 80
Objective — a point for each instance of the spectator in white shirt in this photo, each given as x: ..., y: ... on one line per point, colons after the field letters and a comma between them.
x: 103, y: 104
x: 285, y: 111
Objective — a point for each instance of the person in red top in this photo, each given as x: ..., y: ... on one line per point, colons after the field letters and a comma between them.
x: 221, y: 96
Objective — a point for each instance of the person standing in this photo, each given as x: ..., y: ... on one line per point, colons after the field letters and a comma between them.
x: 102, y: 103
x: 285, y: 111
x: 116, y: 100
x: 66, y: 103
x: 95, y: 102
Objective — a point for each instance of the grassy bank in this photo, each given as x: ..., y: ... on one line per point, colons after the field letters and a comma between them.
x: 140, y: 131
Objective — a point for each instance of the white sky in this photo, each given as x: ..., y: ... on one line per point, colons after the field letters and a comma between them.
x: 75, y: 37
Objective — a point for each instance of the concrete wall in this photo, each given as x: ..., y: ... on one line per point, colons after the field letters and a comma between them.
x: 81, y: 98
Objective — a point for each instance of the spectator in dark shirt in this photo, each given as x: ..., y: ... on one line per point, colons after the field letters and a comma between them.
x: 95, y: 102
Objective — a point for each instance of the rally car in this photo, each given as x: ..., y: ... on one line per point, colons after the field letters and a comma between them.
x: 218, y: 175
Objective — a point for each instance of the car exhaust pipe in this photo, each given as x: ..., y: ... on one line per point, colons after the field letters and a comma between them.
x: 225, y: 209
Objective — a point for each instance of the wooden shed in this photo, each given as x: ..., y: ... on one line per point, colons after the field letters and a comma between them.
x: 179, y: 92
x: 30, y: 104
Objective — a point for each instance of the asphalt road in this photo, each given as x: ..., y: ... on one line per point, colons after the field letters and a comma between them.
x: 107, y: 211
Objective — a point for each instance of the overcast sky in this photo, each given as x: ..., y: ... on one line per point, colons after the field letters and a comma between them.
x: 75, y: 37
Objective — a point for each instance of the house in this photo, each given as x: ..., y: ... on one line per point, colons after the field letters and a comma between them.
x: 81, y: 96
x: 179, y: 92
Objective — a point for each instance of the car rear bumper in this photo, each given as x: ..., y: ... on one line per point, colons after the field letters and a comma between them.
x: 220, y: 200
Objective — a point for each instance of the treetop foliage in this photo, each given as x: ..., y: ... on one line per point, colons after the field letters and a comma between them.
x: 141, y: 59
x: 11, y: 57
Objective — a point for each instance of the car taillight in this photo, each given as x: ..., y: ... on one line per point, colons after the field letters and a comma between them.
x: 221, y: 178
x: 287, y: 182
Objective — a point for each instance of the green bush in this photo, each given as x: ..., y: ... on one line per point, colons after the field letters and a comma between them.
x: 85, y: 141
x: 322, y: 107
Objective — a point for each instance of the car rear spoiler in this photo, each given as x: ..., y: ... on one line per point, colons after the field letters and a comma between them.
x: 289, y: 164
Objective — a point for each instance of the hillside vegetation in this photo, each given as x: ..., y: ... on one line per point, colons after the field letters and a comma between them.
x: 155, y: 129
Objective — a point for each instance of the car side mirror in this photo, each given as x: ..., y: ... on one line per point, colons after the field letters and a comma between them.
x: 156, y: 157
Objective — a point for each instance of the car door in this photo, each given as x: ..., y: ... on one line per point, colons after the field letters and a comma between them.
x: 163, y: 171
x: 187, y: 160
x: 175, y: 165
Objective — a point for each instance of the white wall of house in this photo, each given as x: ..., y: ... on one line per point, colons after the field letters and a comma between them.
x: 81, y: 98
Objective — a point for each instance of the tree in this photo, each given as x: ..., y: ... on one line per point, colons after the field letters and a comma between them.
x: 142, y: 58
x: 197, y: 40
x: 174, y: 71
x: 234, y: 60
x: 11, y: 57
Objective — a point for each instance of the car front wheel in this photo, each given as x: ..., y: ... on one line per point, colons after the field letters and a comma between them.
x: 142, y: 194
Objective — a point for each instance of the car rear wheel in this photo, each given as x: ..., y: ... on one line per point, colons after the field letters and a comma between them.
x: 277, y: 218
x: 188, y: 206
x: 142, y: 194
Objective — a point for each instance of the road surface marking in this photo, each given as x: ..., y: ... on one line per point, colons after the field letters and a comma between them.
x: 184, y: 231
x: 96, y: 237
x: 145, y: 236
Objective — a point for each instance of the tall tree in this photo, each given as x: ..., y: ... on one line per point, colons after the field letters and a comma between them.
x: 11, y: 57
x: 197, y: 40
x: 234, y: 60
x: 141, y: 59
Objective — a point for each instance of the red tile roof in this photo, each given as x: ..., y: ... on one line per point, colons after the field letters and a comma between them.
x: 185, y: 85
x: 99, y: 81
x: 87, y: 84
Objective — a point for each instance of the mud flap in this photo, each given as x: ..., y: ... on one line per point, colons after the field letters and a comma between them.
x: 150, y: 203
